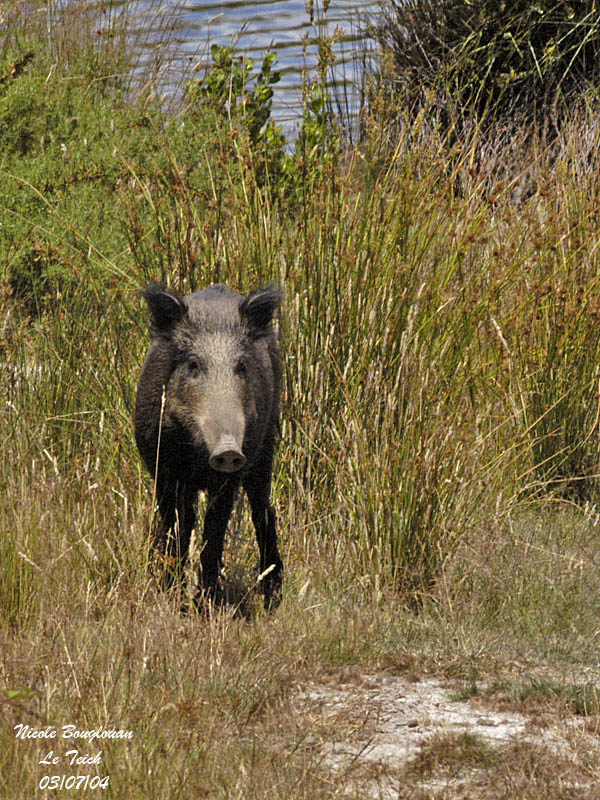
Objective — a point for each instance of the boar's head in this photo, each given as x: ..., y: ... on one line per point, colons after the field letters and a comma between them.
x: 219, y: 386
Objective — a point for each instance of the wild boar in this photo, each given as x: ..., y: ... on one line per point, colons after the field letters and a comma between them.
x: 207, y: 419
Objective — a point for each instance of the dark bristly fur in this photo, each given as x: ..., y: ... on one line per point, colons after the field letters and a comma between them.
x: 206, y: 419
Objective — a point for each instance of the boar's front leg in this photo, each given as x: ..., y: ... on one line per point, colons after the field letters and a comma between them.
x: 173, y: 532
x: 264, y: 519
x: 218, y: 511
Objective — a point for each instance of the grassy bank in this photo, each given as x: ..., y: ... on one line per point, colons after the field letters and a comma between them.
x: 436, y: 482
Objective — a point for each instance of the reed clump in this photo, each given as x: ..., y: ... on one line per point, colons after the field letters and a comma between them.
x: 477, y: 60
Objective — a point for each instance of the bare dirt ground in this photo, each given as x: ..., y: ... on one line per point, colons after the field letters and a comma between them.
x: 396, y: 738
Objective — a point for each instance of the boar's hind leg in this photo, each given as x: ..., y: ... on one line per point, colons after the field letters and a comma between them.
x: 264, y: 519
x: 218, y: 511
x: 173, y: 533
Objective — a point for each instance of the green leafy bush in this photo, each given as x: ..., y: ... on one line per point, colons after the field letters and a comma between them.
x: 242, y: 102
x: 227, y: 88
x: 64, y: 156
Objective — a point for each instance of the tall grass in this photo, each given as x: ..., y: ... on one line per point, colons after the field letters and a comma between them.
x: 438, y: 341
x: 441, y: 335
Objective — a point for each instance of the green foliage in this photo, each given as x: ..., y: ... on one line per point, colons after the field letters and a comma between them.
x: 242, y: 101
x: 64, y: 156
x: 226, y: 87
x: 318, y: 144
x: 514, y: 60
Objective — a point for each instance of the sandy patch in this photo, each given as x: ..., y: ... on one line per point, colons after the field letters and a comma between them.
x: 384, y: 721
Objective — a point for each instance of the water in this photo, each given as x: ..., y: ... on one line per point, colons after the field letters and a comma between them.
x: 283, y: 26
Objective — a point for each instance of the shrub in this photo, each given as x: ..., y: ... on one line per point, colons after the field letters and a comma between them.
x: 488, y: 59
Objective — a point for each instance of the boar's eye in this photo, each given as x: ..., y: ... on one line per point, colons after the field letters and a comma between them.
x: 240, y: 369
x: 194, y: 367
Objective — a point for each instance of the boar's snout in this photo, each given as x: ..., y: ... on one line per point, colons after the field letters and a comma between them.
x: 227, y: 456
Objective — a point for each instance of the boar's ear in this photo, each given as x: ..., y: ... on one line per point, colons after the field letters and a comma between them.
x: 257, y: 310
x: 166, y: 307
